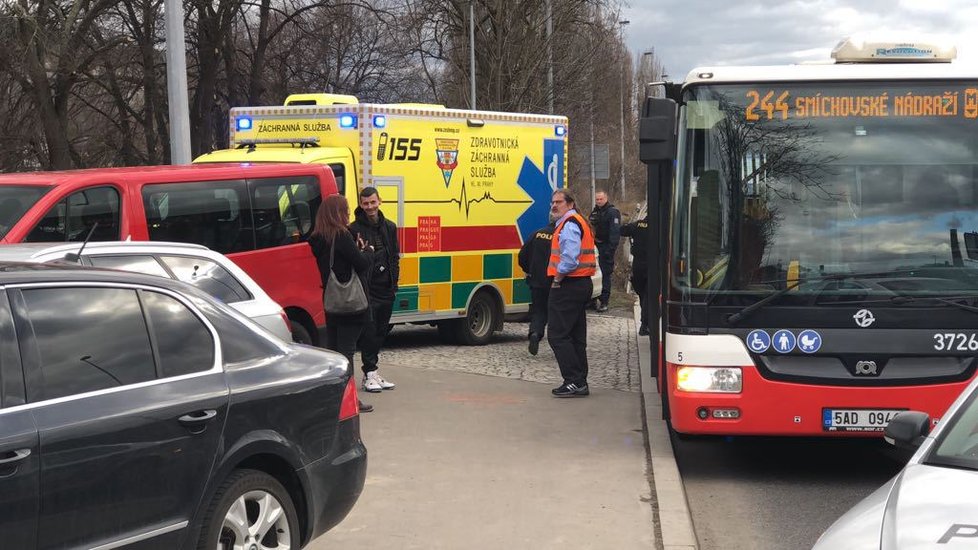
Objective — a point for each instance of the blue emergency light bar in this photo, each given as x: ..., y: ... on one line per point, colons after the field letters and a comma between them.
x: 560, y: 130
x: 243, y: 123
x: 348, y: 121
x: 380, y: 121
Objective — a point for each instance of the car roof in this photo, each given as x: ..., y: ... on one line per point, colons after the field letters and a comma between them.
x: 25, y: 251
x: 47, y: 252
x: 31, y: 272
x: 22, y: 252
x: 159, y: 174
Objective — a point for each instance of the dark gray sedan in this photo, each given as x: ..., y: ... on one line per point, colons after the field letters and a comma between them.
x: 137, y: 412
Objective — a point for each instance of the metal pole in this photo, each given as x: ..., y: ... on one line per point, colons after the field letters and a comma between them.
x: 591, y: 109
x: 550, y: 58
x: 621, y: 89
x: 472, y: 51
x: 176, y: 83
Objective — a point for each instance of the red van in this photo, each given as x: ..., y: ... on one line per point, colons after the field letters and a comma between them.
x: 257, y: 215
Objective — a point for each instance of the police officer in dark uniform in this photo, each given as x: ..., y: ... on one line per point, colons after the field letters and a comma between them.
x: 606, y: 223
x: 639, y: 233
x: 533, y: 259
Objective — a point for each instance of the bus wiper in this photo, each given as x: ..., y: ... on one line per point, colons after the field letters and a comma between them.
x: 951, y: 301
x: 794, y: 283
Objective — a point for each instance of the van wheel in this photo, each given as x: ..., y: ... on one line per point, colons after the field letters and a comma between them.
x: 476, y: 328
x: 250, y: 510
x: 300, y: 335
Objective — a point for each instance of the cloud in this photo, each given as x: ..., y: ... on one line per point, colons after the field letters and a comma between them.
x: 692, y: 33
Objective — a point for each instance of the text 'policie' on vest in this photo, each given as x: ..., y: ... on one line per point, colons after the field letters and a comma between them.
x: 587, y: 262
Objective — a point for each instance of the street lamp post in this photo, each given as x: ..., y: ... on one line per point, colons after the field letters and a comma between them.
x: 621, y: 36
x: 550, y: 58
x: 472, y: 51
x: 176, y: 83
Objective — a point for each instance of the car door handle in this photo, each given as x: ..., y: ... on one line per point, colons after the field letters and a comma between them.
x: 198, y: 417
x: 14, y: 457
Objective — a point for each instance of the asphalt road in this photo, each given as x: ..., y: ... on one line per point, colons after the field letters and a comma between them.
x: 777, y: 494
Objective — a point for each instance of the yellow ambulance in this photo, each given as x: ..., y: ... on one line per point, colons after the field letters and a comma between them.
x: 465, y: 189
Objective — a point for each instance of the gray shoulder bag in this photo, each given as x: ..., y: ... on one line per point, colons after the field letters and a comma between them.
x: 343, y: 298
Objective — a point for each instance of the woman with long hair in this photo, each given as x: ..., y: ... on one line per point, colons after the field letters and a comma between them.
x: 332, y: 235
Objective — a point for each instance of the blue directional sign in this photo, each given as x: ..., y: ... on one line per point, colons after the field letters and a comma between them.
x: 809, y: 341
x: 783, y: 341
x: 758, y: 341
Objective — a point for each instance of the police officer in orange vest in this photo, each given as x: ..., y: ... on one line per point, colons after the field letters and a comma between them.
x: 572, y: 263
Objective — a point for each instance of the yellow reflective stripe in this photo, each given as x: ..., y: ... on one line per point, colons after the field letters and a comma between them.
x: 580, y: 265
x: 587, y: 251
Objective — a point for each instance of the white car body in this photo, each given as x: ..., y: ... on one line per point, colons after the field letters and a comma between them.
x: 151, y: 257
x: 596, y: 283
x: 931, y: 502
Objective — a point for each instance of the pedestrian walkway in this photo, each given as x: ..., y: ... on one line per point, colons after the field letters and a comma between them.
x: 458, y: 459
x: 612, y: 353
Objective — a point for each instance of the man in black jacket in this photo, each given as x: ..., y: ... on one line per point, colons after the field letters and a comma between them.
x: 533, y: 259
x: 606, y: 223
x: 639, y: 232
x: 381, y: 233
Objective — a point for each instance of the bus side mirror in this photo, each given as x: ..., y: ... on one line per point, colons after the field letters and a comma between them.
x: 907, y: 430
x: 657, y: 131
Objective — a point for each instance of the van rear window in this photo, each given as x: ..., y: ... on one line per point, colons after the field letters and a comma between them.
x: 214, y: 214
x: 233, y: 216
x: 15, y: 201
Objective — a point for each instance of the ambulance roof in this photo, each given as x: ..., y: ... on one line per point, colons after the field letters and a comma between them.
x: 271, y: 153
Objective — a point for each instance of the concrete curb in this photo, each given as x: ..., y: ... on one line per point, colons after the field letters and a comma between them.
x: 674, y: 517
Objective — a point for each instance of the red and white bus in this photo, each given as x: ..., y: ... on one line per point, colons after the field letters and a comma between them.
x: 818, y: 241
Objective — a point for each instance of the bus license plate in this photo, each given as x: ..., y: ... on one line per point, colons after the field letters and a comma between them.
x: 857, y: 420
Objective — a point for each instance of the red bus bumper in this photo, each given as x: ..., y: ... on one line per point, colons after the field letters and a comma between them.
x: 767, y: 407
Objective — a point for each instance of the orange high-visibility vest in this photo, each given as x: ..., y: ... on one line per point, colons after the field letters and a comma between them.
x: 587, y: 263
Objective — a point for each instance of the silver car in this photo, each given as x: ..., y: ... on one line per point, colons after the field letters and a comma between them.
x: 931, y: 503
x: 196, y: 265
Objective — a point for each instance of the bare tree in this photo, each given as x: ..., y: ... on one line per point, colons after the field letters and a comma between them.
x: 51, y: 50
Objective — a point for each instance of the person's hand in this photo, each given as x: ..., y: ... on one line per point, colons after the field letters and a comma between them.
x: 362, y: 244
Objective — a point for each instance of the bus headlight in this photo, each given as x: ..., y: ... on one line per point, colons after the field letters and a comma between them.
x: 710, y: 379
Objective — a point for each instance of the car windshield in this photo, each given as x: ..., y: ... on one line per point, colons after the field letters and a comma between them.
x: 796, y: 182
x: 15, y: 201
x: 957, y: 445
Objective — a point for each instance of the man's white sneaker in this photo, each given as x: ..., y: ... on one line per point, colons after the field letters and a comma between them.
x: 384, y: 384
x: 370, y: 384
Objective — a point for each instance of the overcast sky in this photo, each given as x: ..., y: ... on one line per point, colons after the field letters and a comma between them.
x: 691, y: 33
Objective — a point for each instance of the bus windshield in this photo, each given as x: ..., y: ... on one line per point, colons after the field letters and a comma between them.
x: 799, y: 184
x: 15, y: 201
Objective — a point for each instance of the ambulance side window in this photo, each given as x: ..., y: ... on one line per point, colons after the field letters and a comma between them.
x: 73, y: 217
x: 284, y: 209
x: 339, y: 174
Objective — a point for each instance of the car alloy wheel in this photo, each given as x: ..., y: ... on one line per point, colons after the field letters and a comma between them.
x: 250, y: 511
x: 256, y: 521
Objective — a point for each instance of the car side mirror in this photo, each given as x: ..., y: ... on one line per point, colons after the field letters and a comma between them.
x: 907, y: 430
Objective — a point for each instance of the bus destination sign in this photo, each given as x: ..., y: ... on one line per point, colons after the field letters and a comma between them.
x: 782, y: 105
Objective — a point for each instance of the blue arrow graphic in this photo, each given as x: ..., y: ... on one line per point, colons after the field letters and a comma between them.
x: 535, y: 183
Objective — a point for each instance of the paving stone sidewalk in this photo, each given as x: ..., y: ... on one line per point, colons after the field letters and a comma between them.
x: 612, y: 353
